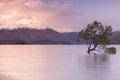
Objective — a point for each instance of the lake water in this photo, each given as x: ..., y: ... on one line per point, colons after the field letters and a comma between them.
x: 56, y: 62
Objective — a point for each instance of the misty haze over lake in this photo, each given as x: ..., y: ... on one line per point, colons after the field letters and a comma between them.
x: 57, y: 62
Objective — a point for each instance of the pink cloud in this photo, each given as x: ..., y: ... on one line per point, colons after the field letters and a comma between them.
x: 38, y: 13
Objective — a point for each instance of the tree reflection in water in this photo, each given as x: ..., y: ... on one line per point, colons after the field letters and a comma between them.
x: 94, y: 67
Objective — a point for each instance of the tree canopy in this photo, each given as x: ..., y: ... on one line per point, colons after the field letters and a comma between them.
x: 95, y: 34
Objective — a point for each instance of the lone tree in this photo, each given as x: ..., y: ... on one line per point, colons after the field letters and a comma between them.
x: 96, y: 36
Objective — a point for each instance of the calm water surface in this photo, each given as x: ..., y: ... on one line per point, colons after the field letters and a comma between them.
x: 55, y: 62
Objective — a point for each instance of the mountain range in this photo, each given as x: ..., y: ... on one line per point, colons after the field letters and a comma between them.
x: 44, y: 36
x: 36, y: 36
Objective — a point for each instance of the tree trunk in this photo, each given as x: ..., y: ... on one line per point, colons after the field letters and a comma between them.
x: 89, y: 49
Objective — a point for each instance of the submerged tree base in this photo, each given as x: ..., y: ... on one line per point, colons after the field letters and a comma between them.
x: 102, y: 49
x: 111, y: 50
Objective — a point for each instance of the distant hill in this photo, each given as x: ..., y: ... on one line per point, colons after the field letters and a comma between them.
x: 36, y: 36
x: 44, y: 36
x: 115, y: 39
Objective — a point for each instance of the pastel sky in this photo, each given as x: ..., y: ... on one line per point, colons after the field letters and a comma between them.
x: 61, y: 15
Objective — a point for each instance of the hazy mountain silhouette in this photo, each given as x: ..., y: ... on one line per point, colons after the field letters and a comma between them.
x: 43, y: 36
x: 35, y: 36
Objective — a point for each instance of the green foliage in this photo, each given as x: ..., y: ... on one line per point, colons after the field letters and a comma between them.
x: 111, y: 50
x: 96, y: 34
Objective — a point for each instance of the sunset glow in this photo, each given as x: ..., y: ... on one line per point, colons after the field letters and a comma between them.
x: 70, y: 15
